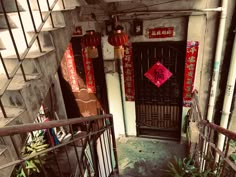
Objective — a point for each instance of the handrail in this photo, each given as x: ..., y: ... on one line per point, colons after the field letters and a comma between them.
x: 208, y: 155
x: 80, y: 151
x: 17, y: 129
x: 228, y: 133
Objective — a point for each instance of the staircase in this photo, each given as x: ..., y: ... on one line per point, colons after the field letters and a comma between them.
x: 33, y: 37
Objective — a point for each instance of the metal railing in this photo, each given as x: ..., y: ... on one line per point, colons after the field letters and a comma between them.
x: 21, y: 56
x: 88, y: 152
x: 206, y: 154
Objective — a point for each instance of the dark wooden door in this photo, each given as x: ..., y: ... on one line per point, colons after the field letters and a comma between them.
x: 158, y: 110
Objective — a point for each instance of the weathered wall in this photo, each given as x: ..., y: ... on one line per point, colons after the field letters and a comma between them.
x: 196, y: 30
x: 202, y: 28
x: 113, y: 82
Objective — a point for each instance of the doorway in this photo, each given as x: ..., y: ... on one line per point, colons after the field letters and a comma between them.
x: 159, y: 109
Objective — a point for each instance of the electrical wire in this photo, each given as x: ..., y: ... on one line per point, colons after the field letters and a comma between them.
x: 135, y: 8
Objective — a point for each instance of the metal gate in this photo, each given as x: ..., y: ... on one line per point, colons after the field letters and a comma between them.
x: 158, y: 110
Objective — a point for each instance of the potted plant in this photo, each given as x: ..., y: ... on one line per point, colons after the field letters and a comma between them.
x: 32, y: 166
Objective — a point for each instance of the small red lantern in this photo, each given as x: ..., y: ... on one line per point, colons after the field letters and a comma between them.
x: 91, y: 40
x: 118, y: 38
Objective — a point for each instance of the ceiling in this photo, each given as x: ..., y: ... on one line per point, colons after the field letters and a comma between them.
x: 143, y: 9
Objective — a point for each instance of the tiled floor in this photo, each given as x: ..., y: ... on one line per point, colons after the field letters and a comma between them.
x: 140, y: 157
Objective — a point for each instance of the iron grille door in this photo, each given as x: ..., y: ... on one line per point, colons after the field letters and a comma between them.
x: 158, y: 110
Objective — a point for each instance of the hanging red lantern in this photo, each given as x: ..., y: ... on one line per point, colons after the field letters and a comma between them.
x: 91, y: 40
x: 118, y: 38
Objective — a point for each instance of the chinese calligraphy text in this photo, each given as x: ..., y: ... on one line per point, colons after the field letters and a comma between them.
x: 190, y: 67
x: 128, y: 73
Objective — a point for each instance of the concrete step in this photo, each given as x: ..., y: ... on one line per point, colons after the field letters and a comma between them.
x: 14, y: 20
x: 29, y: 94
x: 29, y: 64
x: 10, y: 5
x: 8, y: 47
x: 12, y: 98
x: 6, y: 43
x: 12, y: 113
x: 71, y: 19
x: 5, y: 157
x: 18, y: 81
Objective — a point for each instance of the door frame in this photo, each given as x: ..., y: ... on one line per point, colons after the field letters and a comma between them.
x: 183, y: 52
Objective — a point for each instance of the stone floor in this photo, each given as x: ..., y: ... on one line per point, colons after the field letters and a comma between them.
x: 141, y: 157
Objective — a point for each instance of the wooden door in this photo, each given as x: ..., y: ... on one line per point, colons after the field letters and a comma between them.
x: 158, y: 110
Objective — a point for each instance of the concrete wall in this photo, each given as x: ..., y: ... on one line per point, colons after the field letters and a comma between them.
x: 201, y: 28
x: 113, y: 82
x: 197, y: 30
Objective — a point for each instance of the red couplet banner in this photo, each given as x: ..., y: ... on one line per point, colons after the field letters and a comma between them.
x: 190, y: 67
x: 71, y: 69
x: 89, y: 72
x: 128, y: 71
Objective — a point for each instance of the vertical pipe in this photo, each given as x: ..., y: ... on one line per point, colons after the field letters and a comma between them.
x: 122, y: 95
x: 114, y: 143
x: 109, y: 147
x: 228, y: 96
x: 218, y: 60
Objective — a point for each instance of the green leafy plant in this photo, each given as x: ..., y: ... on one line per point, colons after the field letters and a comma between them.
x: 33, y: 165
x: 233, y: 146
x: 185, y: 168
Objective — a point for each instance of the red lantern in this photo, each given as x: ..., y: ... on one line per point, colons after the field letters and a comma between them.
x: 118, y: 39
x: 91, y: 40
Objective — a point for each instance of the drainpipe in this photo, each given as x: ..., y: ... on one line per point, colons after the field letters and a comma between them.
x: 122, y: 95
x: 228, y: 96
x: 218, y: 60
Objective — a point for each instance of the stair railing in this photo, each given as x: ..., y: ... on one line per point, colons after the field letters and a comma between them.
x: 89, y: 151
x: 204, y: 150
x: 21, y: 57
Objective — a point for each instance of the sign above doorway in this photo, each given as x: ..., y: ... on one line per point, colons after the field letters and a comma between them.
x: 164, y: 32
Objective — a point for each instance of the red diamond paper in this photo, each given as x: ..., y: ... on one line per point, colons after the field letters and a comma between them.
x: 158, y: 74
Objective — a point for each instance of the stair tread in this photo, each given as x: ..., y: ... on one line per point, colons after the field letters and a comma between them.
x: 33, y: 54
x: 47, y: 29
x: 3, y: 148
x: 23, y: 11
x: 2, y: 29
x: 66, y: 9
x: 18, y: 81
x: 12, y: 113
x: 52, y: 29
x: 36, y: 11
